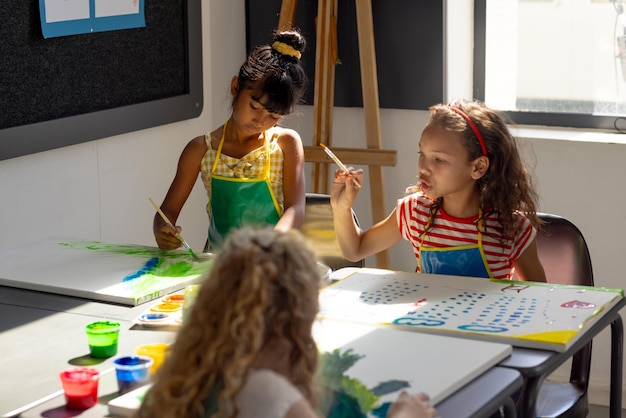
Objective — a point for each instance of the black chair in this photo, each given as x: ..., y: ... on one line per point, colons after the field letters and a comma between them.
x: 318, y: 228
x: 565, y: 258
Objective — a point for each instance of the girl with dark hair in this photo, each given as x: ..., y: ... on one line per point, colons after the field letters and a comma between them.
x: 252, y: 169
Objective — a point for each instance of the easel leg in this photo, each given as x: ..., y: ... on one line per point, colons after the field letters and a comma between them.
x: 287, y: 14
x: 324, y: 92
x: 369, y: 85
x: 326, y: 57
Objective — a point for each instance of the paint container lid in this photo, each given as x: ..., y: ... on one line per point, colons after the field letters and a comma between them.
x: 167, y: 307
x: 103, y: 327
x: 154, y: 319
x: 175, y: 298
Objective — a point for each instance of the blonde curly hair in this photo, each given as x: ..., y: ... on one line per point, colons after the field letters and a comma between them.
x: 262, y: 287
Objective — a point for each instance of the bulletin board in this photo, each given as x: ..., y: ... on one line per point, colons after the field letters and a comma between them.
x: 67, y: 90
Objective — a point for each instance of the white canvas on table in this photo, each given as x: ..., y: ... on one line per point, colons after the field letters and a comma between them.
x: 525, y: 314
x: 389, y: 361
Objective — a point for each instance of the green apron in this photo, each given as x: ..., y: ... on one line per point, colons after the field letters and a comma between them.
x: 238, y: 202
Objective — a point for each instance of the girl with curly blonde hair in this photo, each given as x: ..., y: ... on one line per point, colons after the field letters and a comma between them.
x: 473, y: 209
x: 250, y: 322
x: 246, y: 348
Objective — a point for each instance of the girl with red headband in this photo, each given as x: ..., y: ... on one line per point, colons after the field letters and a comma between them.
x: 473, y: 209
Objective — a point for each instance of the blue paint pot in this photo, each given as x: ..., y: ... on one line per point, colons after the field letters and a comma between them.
x: 132, y: 372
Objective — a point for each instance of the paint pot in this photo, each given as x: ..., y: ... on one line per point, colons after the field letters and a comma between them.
x: 102, y: 337
x: 156, y: 351
x: 167, y: 307
x: 153, y: 318
x: 132, y: 372
x: 80, y: 386
x: 190, y: 296
x: 324, y: 274
x: 175, y: 298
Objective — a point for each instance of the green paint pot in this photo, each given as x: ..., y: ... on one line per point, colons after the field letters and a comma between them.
x: 102, y: 337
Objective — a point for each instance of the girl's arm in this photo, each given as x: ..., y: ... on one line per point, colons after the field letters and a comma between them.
x: 186, y: 176
x: 301, y: 409
x: 528, y: 266
x: 294, y: 187
x: 355, y: 243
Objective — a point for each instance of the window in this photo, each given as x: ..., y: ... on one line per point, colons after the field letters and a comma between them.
x: 552, y: 62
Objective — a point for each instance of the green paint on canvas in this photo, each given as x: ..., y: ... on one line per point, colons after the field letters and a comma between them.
x: 162, y: 269
x: 137, y: 250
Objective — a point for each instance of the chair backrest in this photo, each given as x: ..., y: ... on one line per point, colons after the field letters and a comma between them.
x: 318, y: 228
x: 563, y: 251
x: 565, y: 258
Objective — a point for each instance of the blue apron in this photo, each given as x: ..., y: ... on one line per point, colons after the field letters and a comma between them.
x: 463, y: 260
x: 238, y: 201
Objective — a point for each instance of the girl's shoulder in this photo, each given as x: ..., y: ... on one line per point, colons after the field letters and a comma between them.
x: 286, y: 135
x: 267, y: 394
x: 212, y: 139
x: 414, y: 206
x: 520, y: 225
x: 196, y: 147
x: 518, y: 218
x: 522, y: 221
x: 289, y: 142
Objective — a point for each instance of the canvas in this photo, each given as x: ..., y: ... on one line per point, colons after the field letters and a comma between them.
x: 121, y: 273
x: 524, y: 314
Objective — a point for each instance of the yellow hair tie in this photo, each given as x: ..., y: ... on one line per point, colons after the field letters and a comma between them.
x: 286, y: 49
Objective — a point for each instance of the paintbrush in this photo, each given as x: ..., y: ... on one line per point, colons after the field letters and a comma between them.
x: 339, y: 163
x: 179, y: 236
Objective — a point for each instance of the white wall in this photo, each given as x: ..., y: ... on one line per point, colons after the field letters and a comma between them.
x: 100, y: 190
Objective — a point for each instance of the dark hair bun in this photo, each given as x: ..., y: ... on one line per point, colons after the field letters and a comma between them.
x: 293, y: 39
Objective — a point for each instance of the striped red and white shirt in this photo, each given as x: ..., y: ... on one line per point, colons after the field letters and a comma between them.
x: 413, y: 212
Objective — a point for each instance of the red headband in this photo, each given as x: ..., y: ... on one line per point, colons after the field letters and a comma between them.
x: 472, y: 125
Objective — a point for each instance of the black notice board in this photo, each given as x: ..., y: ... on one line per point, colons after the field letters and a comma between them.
x: 409, y: 45
x: 63, y: 91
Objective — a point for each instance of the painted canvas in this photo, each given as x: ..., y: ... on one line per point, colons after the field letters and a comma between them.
x: 120, y: 273
x: 524, y: 314
x: 363, y: 368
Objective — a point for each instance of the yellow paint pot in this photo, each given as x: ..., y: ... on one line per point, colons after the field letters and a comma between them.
x: 167, y: 307
x: 156, y: 351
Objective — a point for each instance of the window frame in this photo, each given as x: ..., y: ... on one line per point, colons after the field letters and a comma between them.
x: 567, y: 120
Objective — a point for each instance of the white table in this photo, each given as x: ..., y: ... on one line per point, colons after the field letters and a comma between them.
x: 46, y: 333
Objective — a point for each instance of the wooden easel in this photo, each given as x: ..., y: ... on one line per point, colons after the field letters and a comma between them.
x: 326, y: 57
